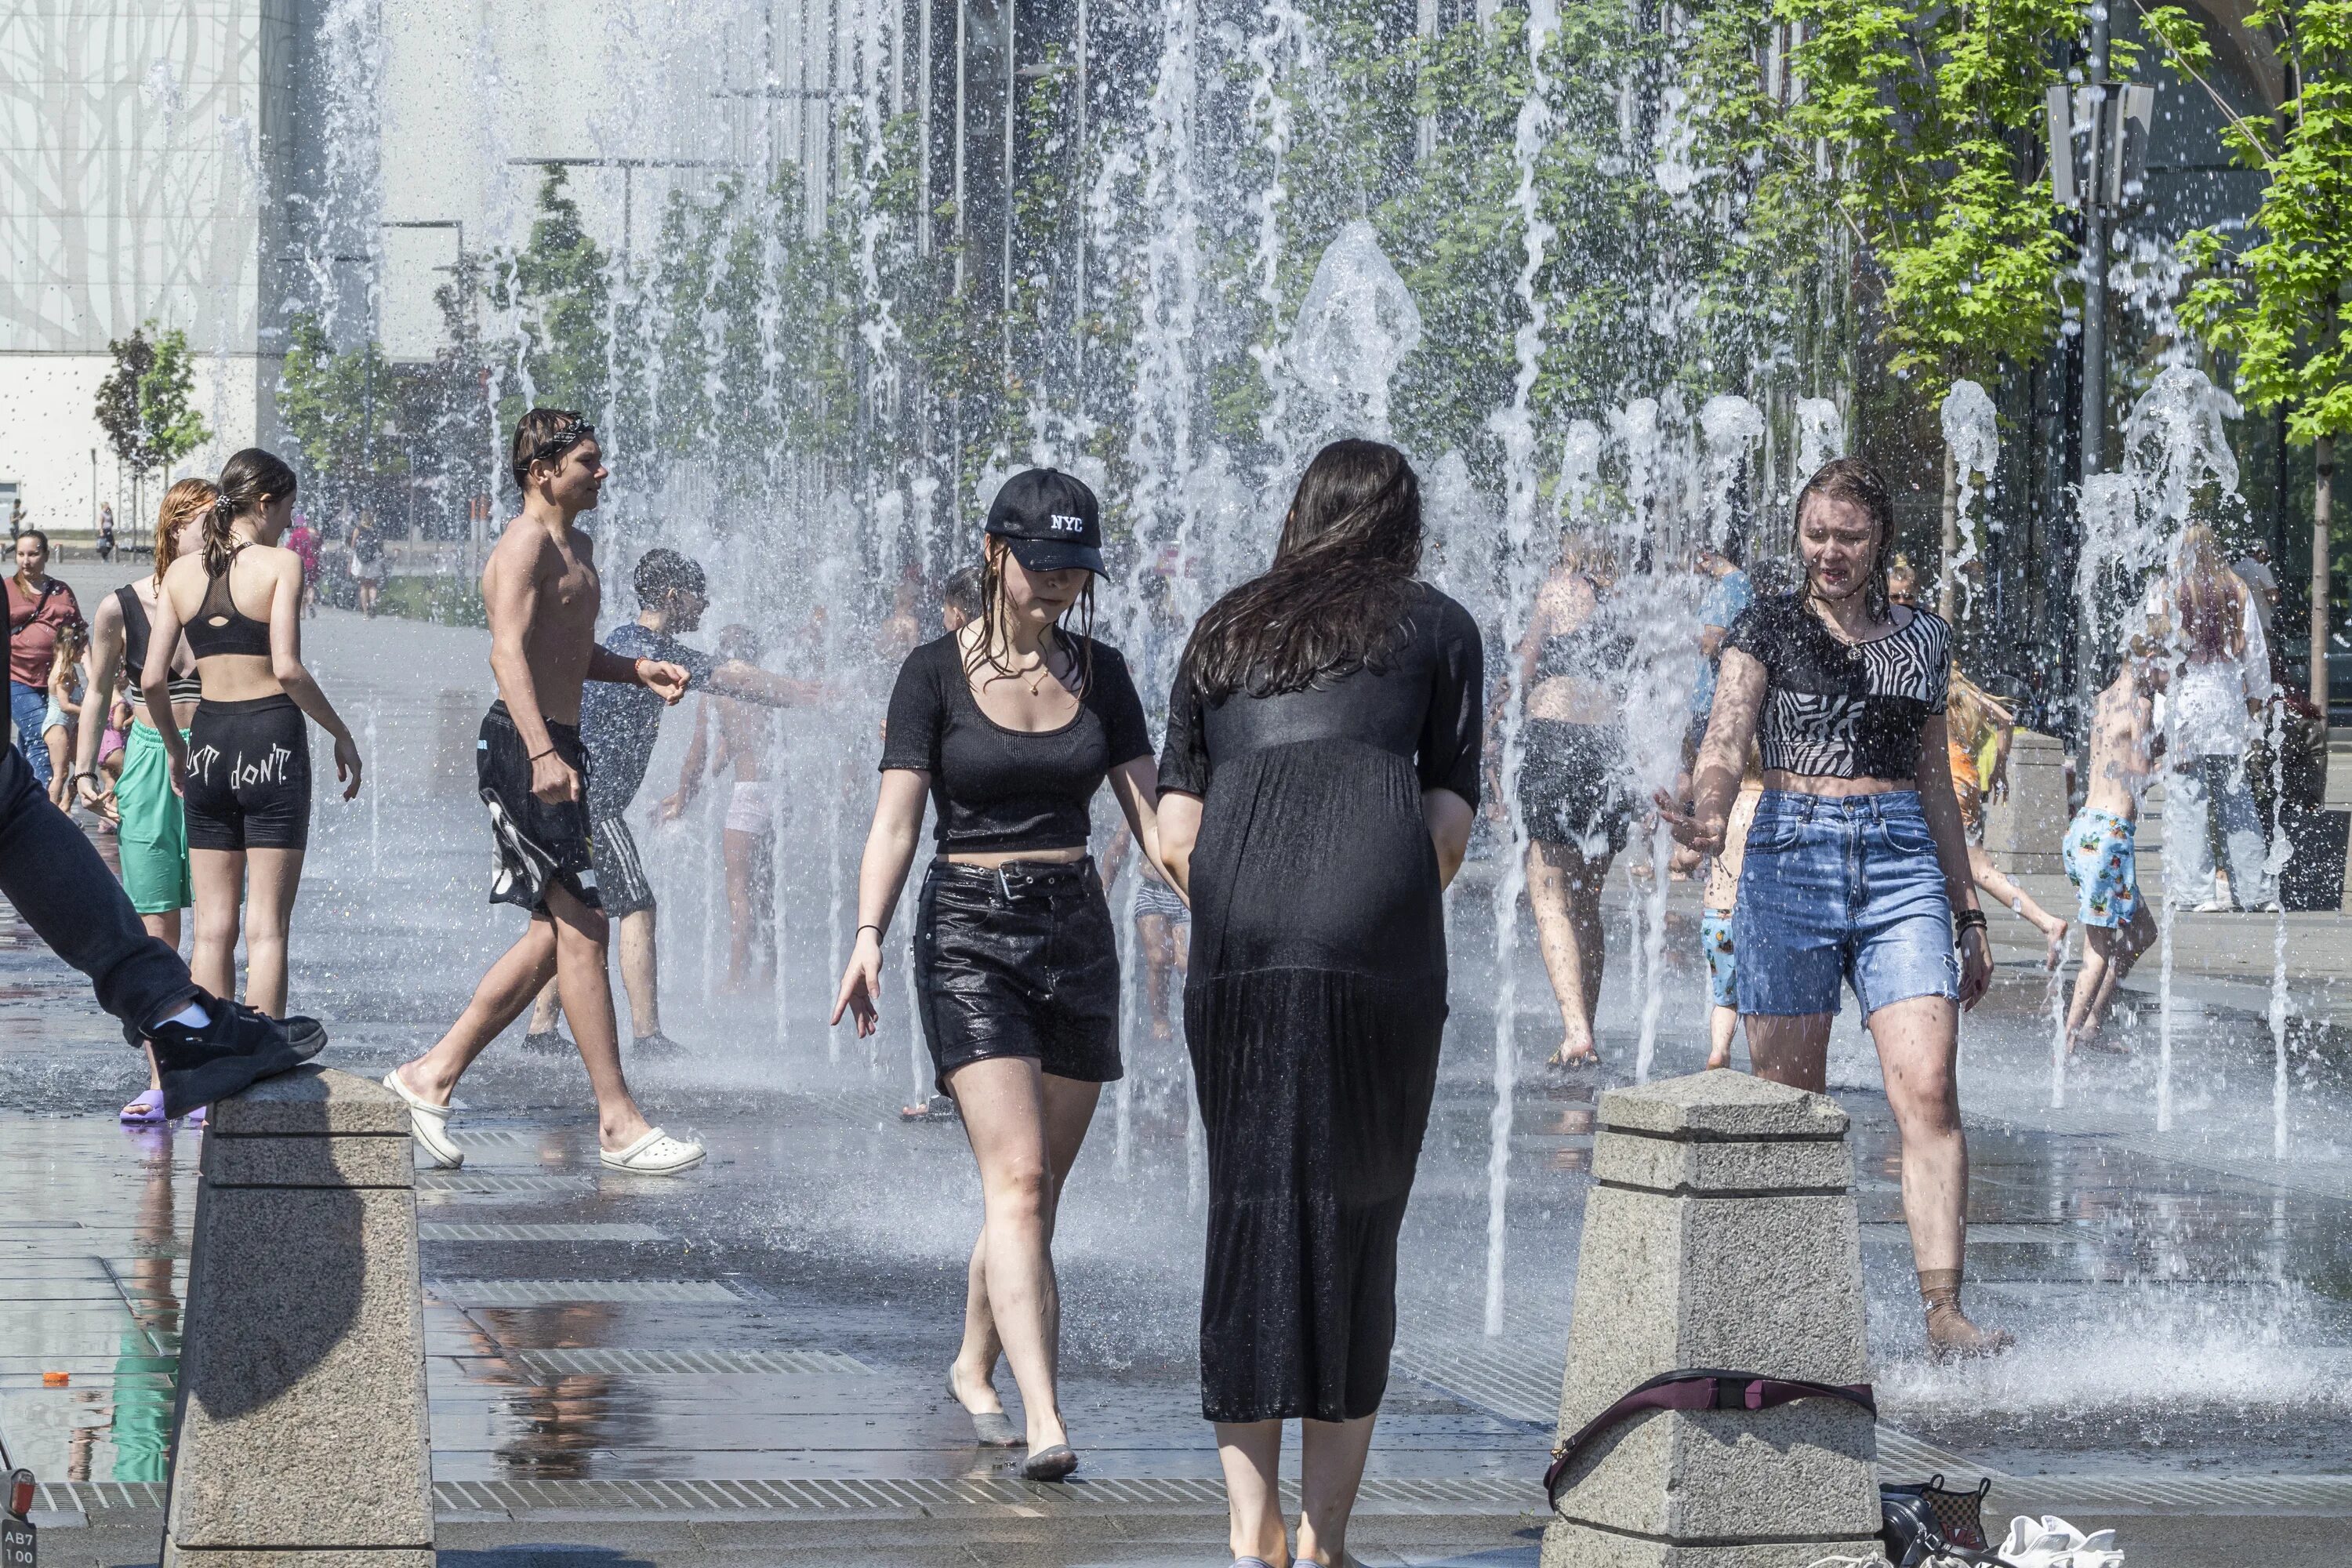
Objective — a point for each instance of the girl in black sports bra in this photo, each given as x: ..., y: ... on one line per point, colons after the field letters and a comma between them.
x: 244, y: 768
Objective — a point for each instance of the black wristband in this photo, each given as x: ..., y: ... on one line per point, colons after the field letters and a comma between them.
x: 1966, y: 921
x: 877, y: 930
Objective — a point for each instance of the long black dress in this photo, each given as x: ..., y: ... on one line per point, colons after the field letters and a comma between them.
x: 1316, y: 1002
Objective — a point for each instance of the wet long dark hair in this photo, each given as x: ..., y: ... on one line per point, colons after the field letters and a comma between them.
x: 1851, y: 479
x: 1335, y: 599
x: 248, y: 480
x: 994, y: 615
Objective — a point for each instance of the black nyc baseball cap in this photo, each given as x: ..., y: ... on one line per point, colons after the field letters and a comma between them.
x: 1050, y: 518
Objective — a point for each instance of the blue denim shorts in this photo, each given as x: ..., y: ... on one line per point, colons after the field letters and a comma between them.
x: 1842, y: 890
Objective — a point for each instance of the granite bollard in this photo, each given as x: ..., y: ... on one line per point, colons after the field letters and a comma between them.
x: 300, y: 1438
x: 1720, y: 1233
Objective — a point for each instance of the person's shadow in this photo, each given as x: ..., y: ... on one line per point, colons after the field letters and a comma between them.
x: 542, y: 1555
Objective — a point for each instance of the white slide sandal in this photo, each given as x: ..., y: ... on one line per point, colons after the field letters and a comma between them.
x: 654, y: 1154
x: 429, y: 1123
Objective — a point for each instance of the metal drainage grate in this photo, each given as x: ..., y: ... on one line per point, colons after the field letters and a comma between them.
x: 847, y: 1494
x: 778, y: 1364
x: 2209, y: 1494
x: 1513, y: 1384
x: 462, y: 1230
x: 546, y: 1292
x: 502, y: 1181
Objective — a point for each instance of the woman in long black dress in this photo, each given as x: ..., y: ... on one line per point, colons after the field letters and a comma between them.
x: 1317, y: 785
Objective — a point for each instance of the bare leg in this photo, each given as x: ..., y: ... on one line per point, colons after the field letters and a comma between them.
x: 499, y: 998
x: 2002, y: 886
x: 581, y: 969
x: 1918, y: 1044
x: 1722, y: 1024
x: 1331, y: 1466
x: 1564, y: 891
x: 1251, y: 1454
x: 641, y: 973
x: 547, y: 1010
x: 273, y: 879
x: 738, y: 855
x: 1069, y: 1112
x: 2112, y: 953
x: 218, y: 878
x: 1005, y: 1115
x: 1153, y: 935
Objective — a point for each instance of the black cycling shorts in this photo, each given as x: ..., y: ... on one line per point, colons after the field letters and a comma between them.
x: 248, y: 775
x: 1018, y: 960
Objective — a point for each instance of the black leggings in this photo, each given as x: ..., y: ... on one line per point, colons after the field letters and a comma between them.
x: 248, y: 775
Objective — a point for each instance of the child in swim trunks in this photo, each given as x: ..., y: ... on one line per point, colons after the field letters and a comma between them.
x: 2100, y: 854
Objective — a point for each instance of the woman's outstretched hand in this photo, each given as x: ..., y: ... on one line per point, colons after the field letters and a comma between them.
x: 1682, y: 819
x: 1976, y: 966
x: 861, y: 983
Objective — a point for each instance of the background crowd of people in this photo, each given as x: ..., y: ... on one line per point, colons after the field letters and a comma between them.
x: 1330, y: 734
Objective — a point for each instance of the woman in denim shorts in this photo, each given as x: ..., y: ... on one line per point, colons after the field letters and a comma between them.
x: 1856, y: 869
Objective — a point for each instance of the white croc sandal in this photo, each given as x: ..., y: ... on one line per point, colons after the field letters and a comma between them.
x: 429, y: 1123
x: 654, y: 1154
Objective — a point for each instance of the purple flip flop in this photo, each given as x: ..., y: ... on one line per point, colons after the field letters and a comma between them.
x: 147, y: 1110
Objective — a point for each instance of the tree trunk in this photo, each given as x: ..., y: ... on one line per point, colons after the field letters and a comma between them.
x: 2322, y: 508
x: 1948, y: 582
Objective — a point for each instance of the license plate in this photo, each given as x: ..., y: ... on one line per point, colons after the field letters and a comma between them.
x: 18, y: 1548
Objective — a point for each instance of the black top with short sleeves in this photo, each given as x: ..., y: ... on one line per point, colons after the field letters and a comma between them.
x: 1424, y: 699
x: 1839, y: 710
x: 995, y: 789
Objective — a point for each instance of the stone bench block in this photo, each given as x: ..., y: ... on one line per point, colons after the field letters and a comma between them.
x: 1721, y: 1232
x: 300, y: 1437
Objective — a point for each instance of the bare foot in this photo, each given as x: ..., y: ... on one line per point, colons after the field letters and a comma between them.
x: 1575, y: 1054
x: 1715, y: 1059
x: 1952, y: 1337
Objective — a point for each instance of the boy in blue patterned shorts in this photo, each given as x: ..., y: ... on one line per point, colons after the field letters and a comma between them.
x: 2100, y: 845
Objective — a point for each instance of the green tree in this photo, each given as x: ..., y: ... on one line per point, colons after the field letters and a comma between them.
x: 2277, y: 305
x: 341, y: 410
x: 559, y: 287
x: 1929, y: 112
x: 143, y: 403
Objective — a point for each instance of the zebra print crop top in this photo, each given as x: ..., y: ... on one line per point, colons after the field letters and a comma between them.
x: 1839, y: 709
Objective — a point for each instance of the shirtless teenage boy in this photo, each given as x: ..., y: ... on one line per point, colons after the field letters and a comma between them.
x: 541, y: 588
x: 2099, y: 848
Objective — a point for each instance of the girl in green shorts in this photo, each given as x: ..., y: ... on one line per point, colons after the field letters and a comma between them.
x: 153, y: 833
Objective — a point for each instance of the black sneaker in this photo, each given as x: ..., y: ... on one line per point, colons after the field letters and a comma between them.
x: 236, y: 1050
x: 656, y: 1044
x: 547, y: 1043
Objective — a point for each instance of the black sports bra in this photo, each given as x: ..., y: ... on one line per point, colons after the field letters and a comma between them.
x: 187, y: 688
x: 220, y: 627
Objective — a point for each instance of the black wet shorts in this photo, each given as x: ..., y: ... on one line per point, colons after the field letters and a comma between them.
x: 1571, y: 785
x: 621, y: 880
x: 1018, y: 960
x: 248, y: 775
x: 533, y: 845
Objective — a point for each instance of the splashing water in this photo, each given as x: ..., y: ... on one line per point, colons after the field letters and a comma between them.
x: 1356, y: 326
x: 1972, y: 436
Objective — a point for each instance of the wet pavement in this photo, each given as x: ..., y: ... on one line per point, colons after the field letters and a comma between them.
x: 744, y: 1365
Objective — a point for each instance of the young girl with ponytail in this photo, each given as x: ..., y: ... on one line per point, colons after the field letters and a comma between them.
x: 244, y: 767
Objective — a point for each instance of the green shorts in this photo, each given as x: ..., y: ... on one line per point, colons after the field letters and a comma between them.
x: 153, y: 838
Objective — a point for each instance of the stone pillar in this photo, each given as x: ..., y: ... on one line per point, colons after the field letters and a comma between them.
x: 299, y: 1439
x: 1720, y: 1233
x: 2023, y: 830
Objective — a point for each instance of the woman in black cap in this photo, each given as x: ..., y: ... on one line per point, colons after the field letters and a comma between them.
x: 1332, y: 701
x: 1010, y: 725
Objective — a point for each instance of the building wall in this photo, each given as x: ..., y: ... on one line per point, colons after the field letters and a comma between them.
x: 142, y: 163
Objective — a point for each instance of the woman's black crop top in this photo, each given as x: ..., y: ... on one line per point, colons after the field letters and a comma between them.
x: 996, y: 789
x: 219, y: 627
x: 136, y: 629
x: 1839, y: 710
